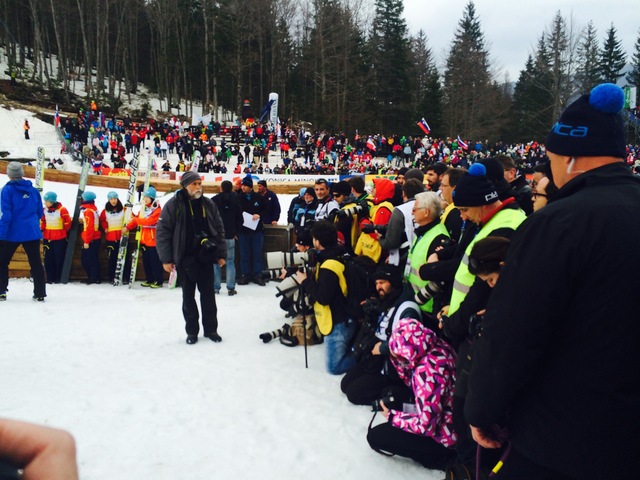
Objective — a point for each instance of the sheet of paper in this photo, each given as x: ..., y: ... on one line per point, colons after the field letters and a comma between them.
x: 248, y: 221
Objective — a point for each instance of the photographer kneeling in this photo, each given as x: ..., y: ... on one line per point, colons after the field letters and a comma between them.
x: 373, y: 373
x: 327, y: 288
x: 422, y: 431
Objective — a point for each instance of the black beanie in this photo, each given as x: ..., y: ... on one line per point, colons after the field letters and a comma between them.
x: 341, y: 188
x: 391, y: 273
x: 474, y: 188
x: 592, y: 126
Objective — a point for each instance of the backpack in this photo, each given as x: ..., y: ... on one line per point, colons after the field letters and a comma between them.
x: 358, y: 272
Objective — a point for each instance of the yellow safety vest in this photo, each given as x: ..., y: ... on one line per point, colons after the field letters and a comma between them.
x: 417, y: 257
x: 323, y: 315
x: 463, y: 280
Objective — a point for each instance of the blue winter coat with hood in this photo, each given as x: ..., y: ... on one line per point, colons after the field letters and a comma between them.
x: 20, y: 212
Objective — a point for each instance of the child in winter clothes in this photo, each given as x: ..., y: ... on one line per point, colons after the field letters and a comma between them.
x: 426, y: 364
x: 112, y: 221
x: 147, y: 220
x: 90, y: 237
x: 55, y: 225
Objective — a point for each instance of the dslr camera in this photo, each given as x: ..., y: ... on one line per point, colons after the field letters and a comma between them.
x: 390, y: 401
x: 370, y: 228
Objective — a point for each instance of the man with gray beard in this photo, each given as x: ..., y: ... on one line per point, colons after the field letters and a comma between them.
x: 190, y: 238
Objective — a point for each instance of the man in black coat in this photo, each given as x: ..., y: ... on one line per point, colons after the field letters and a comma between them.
x: 190, y: 238
x: 557, y: 362
x: 229, y: 208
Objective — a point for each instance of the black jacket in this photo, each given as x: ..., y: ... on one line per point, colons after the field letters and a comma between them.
x: 326, y: 290
x: 559, y: 352
x: 229, y: 208
x: 252, y: 204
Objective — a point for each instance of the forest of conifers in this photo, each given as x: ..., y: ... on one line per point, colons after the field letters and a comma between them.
x: 340, y: 65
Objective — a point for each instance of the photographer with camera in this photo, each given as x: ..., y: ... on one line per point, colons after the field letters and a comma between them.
x: 327, y: 289
x: 191, y: 238
x: 373, y: 372
x: 429, y: 234
x: 422, y: 430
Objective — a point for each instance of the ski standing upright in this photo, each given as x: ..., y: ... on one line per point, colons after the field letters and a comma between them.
x: 135, y: 254
x: 124, y: 241
x: 73, y: 233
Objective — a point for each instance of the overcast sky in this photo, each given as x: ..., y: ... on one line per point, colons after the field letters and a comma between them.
x: 513, y: 27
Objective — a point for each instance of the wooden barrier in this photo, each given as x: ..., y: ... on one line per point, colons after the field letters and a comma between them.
x: 277, y: 238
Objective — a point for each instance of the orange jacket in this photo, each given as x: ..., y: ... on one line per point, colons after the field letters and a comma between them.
x: 91, y: 230
x: 55, y: 222
x: 147, y: 220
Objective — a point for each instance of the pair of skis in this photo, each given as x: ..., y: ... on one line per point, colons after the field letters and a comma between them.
x: 135, y: 254
x: 124, y: 240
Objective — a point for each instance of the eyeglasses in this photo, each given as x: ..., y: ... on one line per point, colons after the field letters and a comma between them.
x: 536, y: 194
x: 418, y: 208
x: 336, y: 195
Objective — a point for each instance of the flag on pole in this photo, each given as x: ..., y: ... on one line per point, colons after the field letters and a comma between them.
x: 57, y: 117
x: 462, y: 144
x: 424, y: 126
x: 371, y: 145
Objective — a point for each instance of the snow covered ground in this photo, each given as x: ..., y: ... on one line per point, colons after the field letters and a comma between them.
x: 111, y: 365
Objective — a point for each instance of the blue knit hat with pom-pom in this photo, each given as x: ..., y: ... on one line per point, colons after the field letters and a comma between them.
x: 592, y: 126
x: 474, y: 189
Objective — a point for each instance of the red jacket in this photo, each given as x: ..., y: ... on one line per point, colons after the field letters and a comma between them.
x: 91, y: 230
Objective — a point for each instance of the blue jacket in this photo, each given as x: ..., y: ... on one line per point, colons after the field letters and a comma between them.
x: 20, y: 212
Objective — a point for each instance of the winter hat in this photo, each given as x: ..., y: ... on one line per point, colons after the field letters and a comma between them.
x: 592, y: 126
x: 474, y: 188
x: 15, y: 170
x: 391, y: 273
x: 310, y: 191
x: 414, y: 173
x: 305, y: 239
x: 263, y: 183
x: 403, y: 171
x: 248, y: 181
x: 341, y: 188
x: 303, y: 190
x: 188, y: 178
x: 112, y: 194
x: 50, y: 197
x: 88, y: 196
x: 151, y: 193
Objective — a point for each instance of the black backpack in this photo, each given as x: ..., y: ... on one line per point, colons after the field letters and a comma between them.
x: 358, y: 272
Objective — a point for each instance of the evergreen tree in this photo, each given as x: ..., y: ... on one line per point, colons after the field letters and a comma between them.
x: 427, y: 91
x: 633, y: 77
x: 612, y: 58
x: 532, y: 112
x: 468, y: 94
x: 389, y: 50
x: 588, y: 71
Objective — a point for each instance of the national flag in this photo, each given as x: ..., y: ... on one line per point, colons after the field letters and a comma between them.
x: 462, y: 144
x: 371, y: 145
x: 57, y: 117
x: 154, y: 165
x: 424, y: 126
